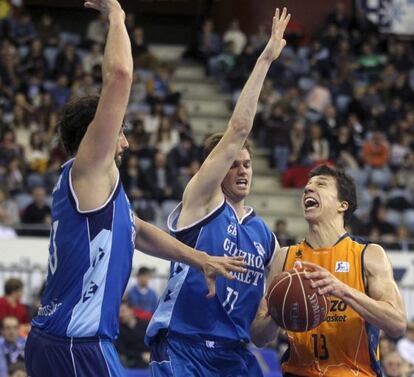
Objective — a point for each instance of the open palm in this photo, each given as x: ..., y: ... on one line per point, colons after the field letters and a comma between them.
x: 277, y: 42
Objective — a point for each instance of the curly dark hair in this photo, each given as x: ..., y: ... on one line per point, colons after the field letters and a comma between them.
x: 75, y: 118
x: 344, y: 184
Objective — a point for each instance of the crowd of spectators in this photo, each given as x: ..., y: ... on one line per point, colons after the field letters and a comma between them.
x: 41, y: 68
x: 343, y: 97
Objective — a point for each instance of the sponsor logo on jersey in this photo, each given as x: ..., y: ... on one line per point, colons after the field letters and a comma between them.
x: 342, y: 267
x: 49, y: 309
x: 93, y: 287
x: 260, y: 249
x: 232, y: 230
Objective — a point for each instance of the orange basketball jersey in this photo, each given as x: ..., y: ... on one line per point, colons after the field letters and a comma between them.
x: 344, y: 345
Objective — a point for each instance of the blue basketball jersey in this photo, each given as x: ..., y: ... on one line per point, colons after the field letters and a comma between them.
x: 184, y: 308
x: 90, y: 260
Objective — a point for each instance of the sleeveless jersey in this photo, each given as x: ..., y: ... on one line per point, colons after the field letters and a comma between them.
x: 344, y: 345
x: 90, y: 260
x: 184, y: 308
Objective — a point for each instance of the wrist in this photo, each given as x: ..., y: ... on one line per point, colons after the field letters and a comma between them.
x: 262, y: 59
x: 116, y: 14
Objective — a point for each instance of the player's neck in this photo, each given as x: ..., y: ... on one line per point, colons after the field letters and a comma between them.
x: 323, y: 235
x: 238, y: 207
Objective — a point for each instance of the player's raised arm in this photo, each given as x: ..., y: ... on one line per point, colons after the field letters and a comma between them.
x: 204, y: 189
x: 94, y: 164
x: 153, y: 241
x: 382, y: 306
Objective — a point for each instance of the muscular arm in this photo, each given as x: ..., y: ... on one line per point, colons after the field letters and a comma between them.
x: 203, y: 193
x: 153, y: 241
x: 382, y: 306
x: 94, y: 164
x: 263, y: 329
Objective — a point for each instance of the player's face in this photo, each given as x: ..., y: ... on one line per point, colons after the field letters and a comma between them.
x: 236, y: 184
x: 320, y: 199
x: 122, y: 145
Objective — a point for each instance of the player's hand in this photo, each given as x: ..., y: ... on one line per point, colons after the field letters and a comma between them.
x: 276, y: 41
x: 220, y: 266
x: 106, y: 7
x: 324, y: 280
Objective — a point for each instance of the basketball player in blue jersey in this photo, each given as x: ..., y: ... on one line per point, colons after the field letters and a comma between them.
x: 190, y: 335
x: 94, y: 232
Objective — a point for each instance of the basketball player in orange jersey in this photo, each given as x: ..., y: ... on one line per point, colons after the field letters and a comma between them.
x: 358, y: 277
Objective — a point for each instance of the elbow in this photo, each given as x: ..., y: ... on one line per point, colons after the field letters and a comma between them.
x: 119, y: 74
x: 398, y: 329
x: 240, y: 127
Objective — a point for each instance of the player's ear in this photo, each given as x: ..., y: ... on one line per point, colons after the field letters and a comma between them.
x: 343, y: 207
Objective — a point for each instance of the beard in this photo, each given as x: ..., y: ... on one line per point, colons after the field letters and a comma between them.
x: 118, y: 159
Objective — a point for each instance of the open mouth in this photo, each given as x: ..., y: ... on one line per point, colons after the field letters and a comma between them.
x: 310, y: 203
x: 241, y: 182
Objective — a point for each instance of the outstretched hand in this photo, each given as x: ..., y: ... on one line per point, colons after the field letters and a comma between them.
x: 221, y: 266
x: 103, y: 6
x: 276, y: 42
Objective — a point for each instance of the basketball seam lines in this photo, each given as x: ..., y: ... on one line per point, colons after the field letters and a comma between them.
x: 284, y: 300
x: 305, y: 298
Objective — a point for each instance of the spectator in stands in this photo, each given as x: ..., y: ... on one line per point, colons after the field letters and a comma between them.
x: 394, y: 366
x: 405, y: 345
x: 48, y: 31
x: 141, y: 296
x: 182, y: 155
x: 67, y: 62
x: 283, y: 236
x: 38, y: 212
x: 159, y: 88
x: 130, y: 343
x: 9, y: 148
x: 11, y: 343
x: 161, y: 180
x: 208, y: 42
x: 343, y: 148
x: 277, y: 128
x: 138, y: 45
x: 36, y: 153
x: 21, y: 28
x: 317, y: 146
x: 9, y: 213
x: 61, y: 92
x: 166, y: 137
x: 35, y: 60
x: 93, y: 59
x: 96, y: 30
x: 380, y: 224
x: 10, y: 303
x: 234, y: 35
x: 375, y: 154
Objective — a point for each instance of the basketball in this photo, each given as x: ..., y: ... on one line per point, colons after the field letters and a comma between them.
x: 294, y: 304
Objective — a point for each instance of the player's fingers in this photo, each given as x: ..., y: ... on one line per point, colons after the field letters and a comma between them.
x: 298, y: 265
x: 320, y: 282
x: 284, y: 11
x: 211, y: 285
x: 235, y: 268
x: 315, y: 275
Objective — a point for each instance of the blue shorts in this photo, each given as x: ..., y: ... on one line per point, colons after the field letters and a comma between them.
x: 173, y: 356
x: 47, y: 355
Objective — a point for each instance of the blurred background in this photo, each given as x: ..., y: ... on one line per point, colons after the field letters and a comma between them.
x: 342, y: 92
